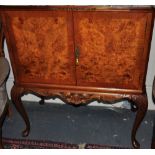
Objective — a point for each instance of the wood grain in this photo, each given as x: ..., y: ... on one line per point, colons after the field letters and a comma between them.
x: 113, y: 45
x: 45, y: 50
x: 111, y: 49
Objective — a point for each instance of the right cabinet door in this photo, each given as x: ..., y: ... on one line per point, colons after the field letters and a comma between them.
x: 113, y: 48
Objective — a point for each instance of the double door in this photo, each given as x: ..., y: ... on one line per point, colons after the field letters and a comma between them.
x: 79, y: 48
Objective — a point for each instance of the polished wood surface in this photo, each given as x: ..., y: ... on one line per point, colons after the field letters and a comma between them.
x: 58, y: 66
x: 79, y: 54
x: 45, y: 52
x: 137, y: 8
x: 111, y: 41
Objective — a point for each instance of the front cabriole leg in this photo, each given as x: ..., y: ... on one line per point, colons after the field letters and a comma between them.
x: 16, y: 94
x: 141, y: 103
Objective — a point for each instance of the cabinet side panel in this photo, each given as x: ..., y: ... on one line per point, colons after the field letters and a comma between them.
x: 111, y: 46
x: 42, y: 46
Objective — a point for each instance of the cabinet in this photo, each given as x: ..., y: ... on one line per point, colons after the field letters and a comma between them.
x: 79, y: 54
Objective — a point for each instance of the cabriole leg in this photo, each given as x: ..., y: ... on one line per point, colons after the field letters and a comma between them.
x: 16, y: 94
x: 141, y: 103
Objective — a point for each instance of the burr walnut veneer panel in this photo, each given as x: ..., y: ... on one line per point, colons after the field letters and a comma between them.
x: 44, y: 45
x: 111, y: 48
x: 79, y: 54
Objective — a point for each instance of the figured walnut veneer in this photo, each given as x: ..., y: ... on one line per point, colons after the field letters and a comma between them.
x: 114, y: 41
x: 80, y: 55
x: 45, y: 50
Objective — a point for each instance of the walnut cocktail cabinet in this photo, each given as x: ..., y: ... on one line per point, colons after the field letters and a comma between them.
x: 79, y: 54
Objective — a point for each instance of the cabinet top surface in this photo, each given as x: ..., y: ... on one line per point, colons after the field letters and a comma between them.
x: 79, y: 8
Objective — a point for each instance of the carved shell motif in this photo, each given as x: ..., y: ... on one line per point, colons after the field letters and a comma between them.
x: 76, y: 98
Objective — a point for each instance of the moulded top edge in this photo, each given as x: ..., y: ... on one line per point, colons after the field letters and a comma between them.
x: 76, y: 7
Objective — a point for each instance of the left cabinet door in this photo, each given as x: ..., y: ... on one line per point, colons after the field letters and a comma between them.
x: 41, y: 46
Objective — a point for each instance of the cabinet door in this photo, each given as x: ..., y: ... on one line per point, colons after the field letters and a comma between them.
x: 42, y: 46
x: 112, y: 48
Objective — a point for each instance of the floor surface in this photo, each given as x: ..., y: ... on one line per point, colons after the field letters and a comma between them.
x: 84, y: 124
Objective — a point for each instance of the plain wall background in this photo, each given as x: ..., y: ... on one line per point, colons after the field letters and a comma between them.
x: 149, y: 80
